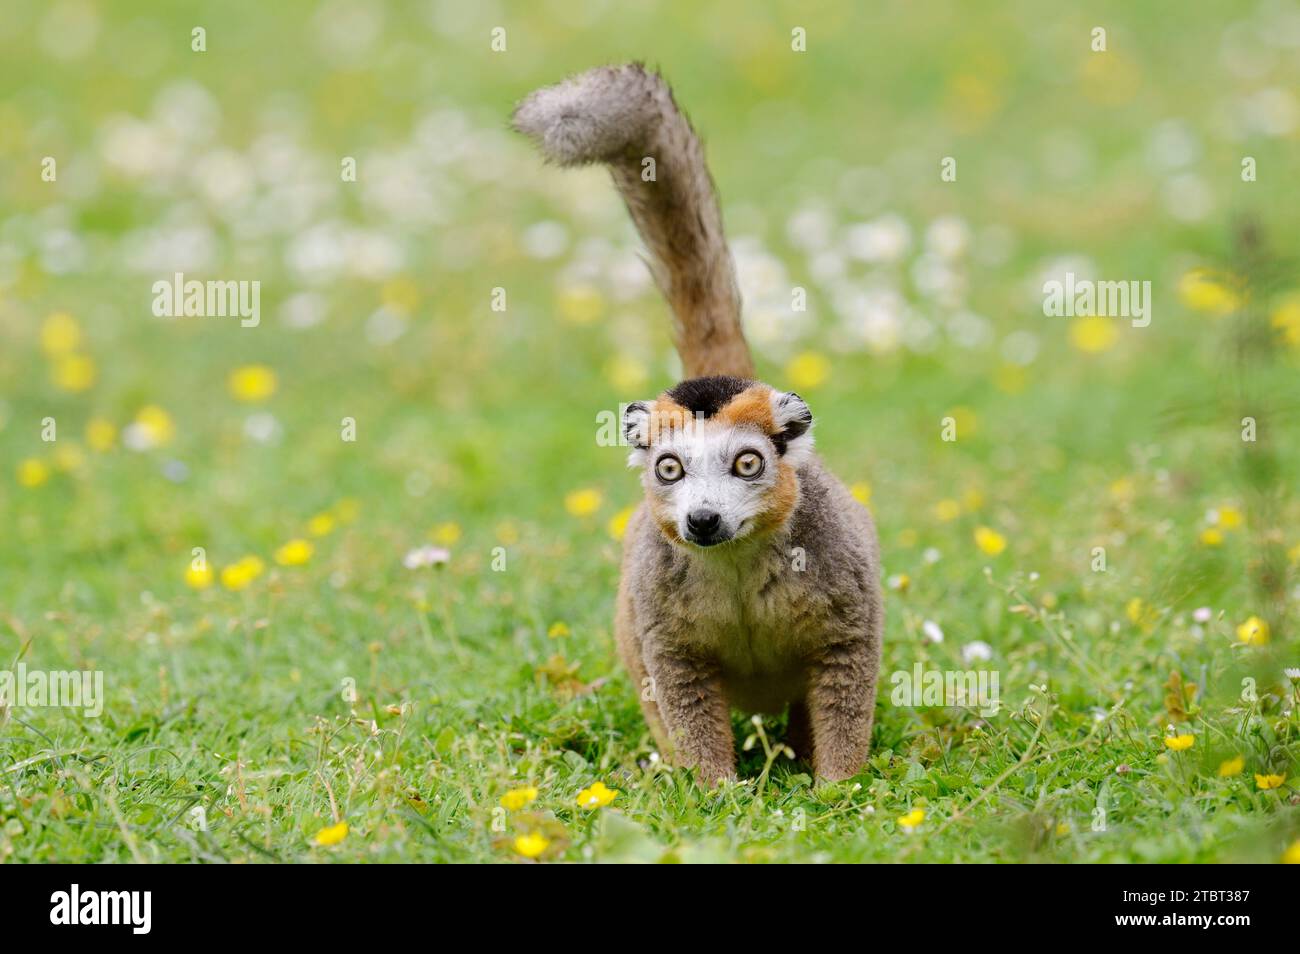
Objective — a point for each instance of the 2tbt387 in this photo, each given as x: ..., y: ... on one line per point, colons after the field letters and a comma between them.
x: 1195, y: 895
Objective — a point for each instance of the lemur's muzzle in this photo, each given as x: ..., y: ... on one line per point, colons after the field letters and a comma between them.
x: 704, y: 527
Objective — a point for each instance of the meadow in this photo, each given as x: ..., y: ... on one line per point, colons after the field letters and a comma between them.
x: 348, y: 573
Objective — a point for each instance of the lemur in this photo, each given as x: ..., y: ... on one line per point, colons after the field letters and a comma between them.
x: 750, y: 575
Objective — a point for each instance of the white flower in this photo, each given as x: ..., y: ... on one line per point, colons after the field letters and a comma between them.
x: 425, y: 556
x: 947, y: 237
x: 1202, y: 614
x: 810, y: 227
x: 385, y: 326
x: 932, y: 631
x: 546, y: 239
x: 1292, y: 673
x: 1020, y: 347
x: 883, y: 240
x: 303, y: 310
x: 262, y: 428
x: 977, y: 650
x: 137, y: 437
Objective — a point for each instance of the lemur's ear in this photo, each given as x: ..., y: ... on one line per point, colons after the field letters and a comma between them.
x: 792, y: 425
x: 636, y: 428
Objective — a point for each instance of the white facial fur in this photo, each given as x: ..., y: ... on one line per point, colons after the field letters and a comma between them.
x: 708, y: 456
x: 707, y: 450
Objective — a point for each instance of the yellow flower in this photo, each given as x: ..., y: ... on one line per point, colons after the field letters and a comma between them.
x: 580, y: 304
x: 1286, y: 319
x: 517, y: 798
x: 1266, y: 782
x: 238, y: 575
x: 252, y: 382
x: 1010, y: 379
x: 558, y: 630
x: 532, y: 846
x: 1212, y: 537
x: 597, y: 796
x: 331, y: 835
x: 60, y: 334
x: 446, y: 534
x: 1230, y: 767
x: 625, y: 373
x: 617, y: 525
x: 294, y: 553
x: 1253, y: 632
x: 1179, y: 743
x: 400, y: 295
x: 583, y: 503
x: 73, y: 372
x: 1292, y: 855
x: 33, y: 472
x: 861, y: 492
x: 911, y: 819
x: 1203, y: 290
x: 1123, y: 489
x: 1140, y: 614
x: 947, y: 510
x: 965, y: 421
x: 321, y: 525
x: 1062, y: 829
x: 990, y: 541
x: 68, y: 457
x: 1229, y: 517
x: 808, y: 371
x: 100, y: 434
x: 154, y: 426
x: 1093, y: 334
x: 901, y: 582
x: 1294, y: 554
x: 198, y: 579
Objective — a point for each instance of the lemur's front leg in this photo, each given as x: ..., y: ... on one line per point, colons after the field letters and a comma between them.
x: 841, y: 704
x: 688, y: 692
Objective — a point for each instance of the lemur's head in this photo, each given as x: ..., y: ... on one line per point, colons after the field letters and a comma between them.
x: 718, y: 457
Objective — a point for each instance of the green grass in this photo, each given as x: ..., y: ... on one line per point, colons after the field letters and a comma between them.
x: 236, y: 702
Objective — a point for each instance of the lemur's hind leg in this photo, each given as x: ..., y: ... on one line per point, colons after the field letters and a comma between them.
x: 689, y: 694
x: 841, y: 704
x: 629, y: 648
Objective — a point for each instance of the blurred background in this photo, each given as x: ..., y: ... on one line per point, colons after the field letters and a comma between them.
x: 475, y: 428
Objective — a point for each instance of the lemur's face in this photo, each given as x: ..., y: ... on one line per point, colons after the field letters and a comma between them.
x: 718, y: 457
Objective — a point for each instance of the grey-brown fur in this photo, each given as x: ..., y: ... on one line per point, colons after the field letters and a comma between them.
x: 743, y: 628
x: 787, y: 613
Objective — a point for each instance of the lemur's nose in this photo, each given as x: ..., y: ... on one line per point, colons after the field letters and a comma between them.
x: 703, y: 522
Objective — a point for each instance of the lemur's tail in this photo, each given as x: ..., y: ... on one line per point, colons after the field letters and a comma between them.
x: 623, y: 116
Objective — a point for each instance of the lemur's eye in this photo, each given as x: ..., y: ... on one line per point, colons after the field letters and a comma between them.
x: 669, y: 469
x: 748, y: 465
